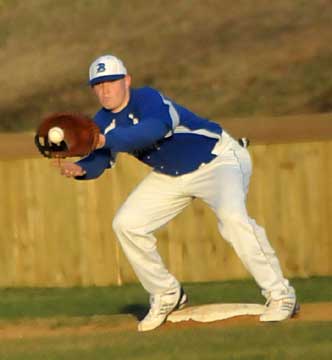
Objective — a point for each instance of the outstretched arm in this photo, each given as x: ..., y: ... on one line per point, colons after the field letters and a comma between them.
x: 87, y: 168
x: 128, y: 139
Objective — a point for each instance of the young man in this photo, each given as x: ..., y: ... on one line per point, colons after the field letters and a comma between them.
x: 190, y: 157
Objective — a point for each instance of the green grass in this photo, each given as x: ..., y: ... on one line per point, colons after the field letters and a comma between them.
x: 304, y: 341
x: 222, y: 59
x: 31, y: 303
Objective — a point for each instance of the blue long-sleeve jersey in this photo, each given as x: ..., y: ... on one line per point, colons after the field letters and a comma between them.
x: 157, y: 131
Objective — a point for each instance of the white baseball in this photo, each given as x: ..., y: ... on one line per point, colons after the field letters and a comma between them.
x: 56, y: 135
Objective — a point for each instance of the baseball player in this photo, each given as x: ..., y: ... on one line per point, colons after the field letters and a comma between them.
x: 190, y: 157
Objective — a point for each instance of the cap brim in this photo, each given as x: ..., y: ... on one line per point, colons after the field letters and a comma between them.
x: 101, y: 79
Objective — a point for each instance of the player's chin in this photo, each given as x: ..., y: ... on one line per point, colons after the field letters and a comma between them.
x: 107, y: 104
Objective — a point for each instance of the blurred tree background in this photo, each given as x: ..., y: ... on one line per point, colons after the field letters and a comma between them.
x: 221, y: 58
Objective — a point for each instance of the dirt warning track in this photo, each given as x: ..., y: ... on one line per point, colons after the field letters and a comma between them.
x: 260, y: 130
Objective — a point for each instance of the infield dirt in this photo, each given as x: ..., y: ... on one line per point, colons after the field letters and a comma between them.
x: 26, y: 328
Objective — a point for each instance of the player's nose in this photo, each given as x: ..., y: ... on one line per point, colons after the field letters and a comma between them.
x: 105, y: 89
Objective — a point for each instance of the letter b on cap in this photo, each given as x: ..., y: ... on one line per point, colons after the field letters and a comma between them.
x: 101, y: 67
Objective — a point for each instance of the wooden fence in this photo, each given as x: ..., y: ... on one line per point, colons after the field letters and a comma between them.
x: 58, y: 232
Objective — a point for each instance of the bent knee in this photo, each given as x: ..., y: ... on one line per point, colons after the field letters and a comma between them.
x: 118, y: 222
x: 122, y: 221
x: 127, y: 222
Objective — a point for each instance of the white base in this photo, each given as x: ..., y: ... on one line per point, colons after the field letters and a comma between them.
x: 213, y: 312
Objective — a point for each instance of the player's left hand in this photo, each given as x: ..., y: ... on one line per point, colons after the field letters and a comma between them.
x: 101, y: 141
x: 65, y: 134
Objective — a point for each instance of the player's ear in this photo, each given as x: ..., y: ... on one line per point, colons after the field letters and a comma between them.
x: 127, y: 79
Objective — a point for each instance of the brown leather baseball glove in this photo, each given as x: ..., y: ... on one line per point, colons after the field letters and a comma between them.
x: 79, y: 135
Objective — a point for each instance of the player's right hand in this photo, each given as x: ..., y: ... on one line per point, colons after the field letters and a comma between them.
x: 68, y: 168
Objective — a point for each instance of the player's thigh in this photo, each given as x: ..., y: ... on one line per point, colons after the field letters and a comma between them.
x: 230, y: 181
x: 156, y: 200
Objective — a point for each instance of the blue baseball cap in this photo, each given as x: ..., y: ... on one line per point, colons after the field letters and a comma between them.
x: 106, y: 68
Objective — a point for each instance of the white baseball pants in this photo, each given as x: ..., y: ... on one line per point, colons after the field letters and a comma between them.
x: 223, y: 185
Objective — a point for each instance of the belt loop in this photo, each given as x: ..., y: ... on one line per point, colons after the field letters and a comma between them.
x: 244, y: 142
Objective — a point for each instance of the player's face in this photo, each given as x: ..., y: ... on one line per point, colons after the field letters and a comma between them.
x: 113, y: 95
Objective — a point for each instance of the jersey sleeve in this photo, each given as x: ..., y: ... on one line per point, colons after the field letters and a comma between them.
x: 157, y: 118
x: 95, y: 164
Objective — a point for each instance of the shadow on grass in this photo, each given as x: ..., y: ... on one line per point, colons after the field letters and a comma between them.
x: 138, y: 310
